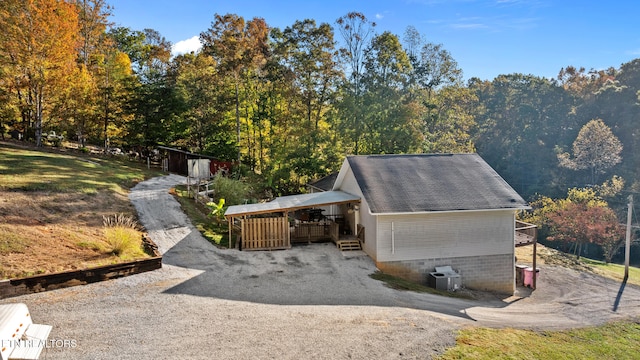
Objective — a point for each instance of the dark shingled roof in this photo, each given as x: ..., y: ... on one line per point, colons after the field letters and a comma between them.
x: 431, y: 182
x: 326, y: 183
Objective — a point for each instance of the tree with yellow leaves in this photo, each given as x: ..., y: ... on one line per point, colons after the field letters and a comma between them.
x: 38, y: 51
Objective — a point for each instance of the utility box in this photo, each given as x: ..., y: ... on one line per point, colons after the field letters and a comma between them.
x: 445, y: 278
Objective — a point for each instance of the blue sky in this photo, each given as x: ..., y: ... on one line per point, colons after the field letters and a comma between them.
x: 486, y: 37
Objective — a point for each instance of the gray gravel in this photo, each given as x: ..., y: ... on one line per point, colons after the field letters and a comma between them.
x: 308, y: 302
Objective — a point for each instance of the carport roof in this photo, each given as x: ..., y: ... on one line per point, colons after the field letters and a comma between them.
x: 292, y: 203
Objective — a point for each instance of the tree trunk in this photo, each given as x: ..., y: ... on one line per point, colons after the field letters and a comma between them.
x: 238, y: 120
x: 579, y: 246
x: 106, y: 123
x: 38, y: 117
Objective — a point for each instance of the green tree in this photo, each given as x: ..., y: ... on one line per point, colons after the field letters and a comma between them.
x: 446, y: 108
x: 521, y: 115
x: 206, y: 129
x: 596, y: 148
x: 307, y: 52
x: 356, y: 31
x: 451, y: 121
x: 390, y: 123
x: 238, y: 47
x: 133, y: 43
x: 153, y: 104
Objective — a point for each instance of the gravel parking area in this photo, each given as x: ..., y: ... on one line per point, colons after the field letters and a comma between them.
x: 308, y: 302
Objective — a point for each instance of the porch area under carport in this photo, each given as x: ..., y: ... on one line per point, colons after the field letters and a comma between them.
x: 296, y: 218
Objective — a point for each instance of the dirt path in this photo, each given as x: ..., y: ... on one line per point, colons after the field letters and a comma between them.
x: 307, y: 302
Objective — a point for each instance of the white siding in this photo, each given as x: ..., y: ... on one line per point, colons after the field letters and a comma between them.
x: 447, y: 235
x: 349, y: 185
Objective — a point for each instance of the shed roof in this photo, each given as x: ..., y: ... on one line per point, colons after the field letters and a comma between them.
x: 431, y: 182
x: 325, y: 183
x: 291, y: 203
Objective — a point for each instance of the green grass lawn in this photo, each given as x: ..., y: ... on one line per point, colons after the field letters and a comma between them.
x: 617, y: 340
x: 614, y: 271
x: 30, y: 170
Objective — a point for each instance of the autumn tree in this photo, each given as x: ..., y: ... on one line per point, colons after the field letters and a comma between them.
x: 596, y: 149
x: 8, y: 109
x: 93, y: 22
x: 84, y: 105
x: 578, y: 223
x: 38, y: 49
x: 582, y: 83
x: 582, y: 217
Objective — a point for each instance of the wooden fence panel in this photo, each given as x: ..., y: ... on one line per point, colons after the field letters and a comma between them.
x: 265, y: 233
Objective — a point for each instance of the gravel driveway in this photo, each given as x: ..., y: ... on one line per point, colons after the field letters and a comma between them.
x: 308, y: 302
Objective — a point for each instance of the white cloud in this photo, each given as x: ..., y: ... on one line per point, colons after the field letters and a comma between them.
x: 186, y: 46
x: 379, y: 16
x: 465, y: 26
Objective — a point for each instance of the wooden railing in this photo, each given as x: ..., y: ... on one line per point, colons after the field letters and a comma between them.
x: 265, y: 233
x: 311, y: 232
x: 526, y: 233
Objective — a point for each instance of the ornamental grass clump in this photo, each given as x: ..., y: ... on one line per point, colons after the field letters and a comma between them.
x: 123, y: 237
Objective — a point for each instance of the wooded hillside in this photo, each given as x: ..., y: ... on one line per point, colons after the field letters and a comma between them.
x: 290, y: 103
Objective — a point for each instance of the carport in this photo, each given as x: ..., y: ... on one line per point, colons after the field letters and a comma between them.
x: 267, y: 226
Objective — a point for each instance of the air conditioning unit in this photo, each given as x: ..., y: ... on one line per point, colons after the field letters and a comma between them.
x: 445, y: 278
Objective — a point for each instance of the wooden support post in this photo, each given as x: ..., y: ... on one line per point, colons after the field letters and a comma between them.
x: 627, y: 247
x: 288, y: 231
x: 535, y: 269
x: 230, y: 221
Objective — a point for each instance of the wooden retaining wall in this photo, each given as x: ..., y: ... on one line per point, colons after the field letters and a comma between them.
x: 59, y: 280
x: 265, y: 233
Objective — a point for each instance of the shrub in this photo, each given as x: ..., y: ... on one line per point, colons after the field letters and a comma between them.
x: 120, y: 220
x: 123, y: 237
x: 233, y: 191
